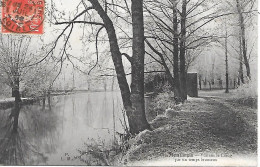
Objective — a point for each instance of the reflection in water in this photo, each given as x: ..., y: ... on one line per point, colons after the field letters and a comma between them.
x: 89, y: 112
x: 20, y: 138
x: 69, y: 123
x: 84, y: 117
x: 11, y: 147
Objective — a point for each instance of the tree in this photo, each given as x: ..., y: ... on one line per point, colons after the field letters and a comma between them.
x: 14, y: 58
x: 17, y: 72
x: 243, y: 38
x: 244, y: 12
x: 178, y: 36
x: 133, y: 100
x: 183, y: 72
x: 240, y: 71
x: 41, y: 79
x: 226, y: 60
x: 137, y: 62
x: 175, y: 50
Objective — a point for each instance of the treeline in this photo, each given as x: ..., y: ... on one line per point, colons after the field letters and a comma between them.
x: 171, y: 33
x: 165, y: 36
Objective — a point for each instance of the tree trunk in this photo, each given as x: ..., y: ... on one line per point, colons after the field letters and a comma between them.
x: 16, y: 91
x: 182, y: 52
x: 135, y: 114
x: 200, y: 81
x: 171, y: 81
x: 115, y: 53
x: 137, y: 85
x: 175, y: 52
x: 226, y: 55
x: 13, y: 92
x: 43, y: 100
x: 243, y: 38
x: 241, y: 75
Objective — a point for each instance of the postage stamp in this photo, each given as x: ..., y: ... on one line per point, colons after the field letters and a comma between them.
x: 22, y: 16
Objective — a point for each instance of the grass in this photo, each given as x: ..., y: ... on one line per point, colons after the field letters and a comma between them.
x: 201, y: 126
x: 244, y: 95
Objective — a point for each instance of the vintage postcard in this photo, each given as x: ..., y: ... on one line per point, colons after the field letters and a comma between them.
x: 128, y: 82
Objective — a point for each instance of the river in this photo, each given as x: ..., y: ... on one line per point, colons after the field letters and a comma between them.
x: 58, y: 133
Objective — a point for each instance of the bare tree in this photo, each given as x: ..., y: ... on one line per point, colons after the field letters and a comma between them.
x: 244, y: 12
x: 226, y: 60
x: 14, y: 57
x: 178, y: 31
x: 133, y: 100
x: 240, y: 10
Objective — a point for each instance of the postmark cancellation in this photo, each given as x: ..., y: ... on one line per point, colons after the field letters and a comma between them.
x: 22, y: 16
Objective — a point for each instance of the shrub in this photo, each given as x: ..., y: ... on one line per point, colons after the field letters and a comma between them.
x: 247, y: 90
x: 246, y: 94
x: 163, y: 101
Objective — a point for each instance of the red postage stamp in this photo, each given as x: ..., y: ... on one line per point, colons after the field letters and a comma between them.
x: 22, y: 16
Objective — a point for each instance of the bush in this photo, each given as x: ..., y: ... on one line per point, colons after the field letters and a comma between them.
x: 163, y: 87
x: 163, y: 101
x: 247, y: 90
x: 246, y: 94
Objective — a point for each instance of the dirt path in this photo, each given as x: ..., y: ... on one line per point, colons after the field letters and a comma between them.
x: 235, y: 127
x: 203, y: 125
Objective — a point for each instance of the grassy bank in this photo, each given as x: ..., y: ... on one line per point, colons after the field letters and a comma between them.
x: 9, y: 102
x: 201, y: 126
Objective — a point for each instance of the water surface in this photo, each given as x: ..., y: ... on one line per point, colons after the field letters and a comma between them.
x: 52, y: 135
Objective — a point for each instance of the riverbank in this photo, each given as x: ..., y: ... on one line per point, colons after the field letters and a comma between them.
x: 9, y: 102
x: 6, y: 103
x: 210, y: 129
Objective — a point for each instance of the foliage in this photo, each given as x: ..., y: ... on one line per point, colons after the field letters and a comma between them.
x: 4, y: 91
x: 20, y: 65
x: 246, y: 94
x: 163, y: 101
x: 40, y: 80
x: 247, y: 90
x: 98, y: 153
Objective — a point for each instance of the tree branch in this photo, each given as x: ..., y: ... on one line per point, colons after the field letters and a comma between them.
x: 128, y: 57
x: 81, y: 21
x: 96, y: 49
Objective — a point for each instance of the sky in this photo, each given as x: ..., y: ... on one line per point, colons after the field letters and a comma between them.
x: 67, y: 8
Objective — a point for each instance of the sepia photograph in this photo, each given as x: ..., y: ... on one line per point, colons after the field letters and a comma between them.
x: 129, y: 83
